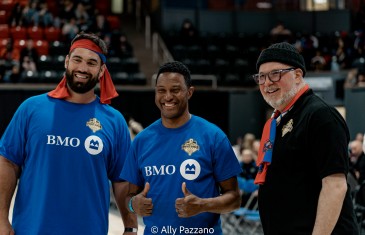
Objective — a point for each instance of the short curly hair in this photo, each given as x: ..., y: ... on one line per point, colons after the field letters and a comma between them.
x: 176, y: 67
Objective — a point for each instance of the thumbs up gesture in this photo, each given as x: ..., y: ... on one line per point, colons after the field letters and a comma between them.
x: 189, y: 205
x: 141, y: 204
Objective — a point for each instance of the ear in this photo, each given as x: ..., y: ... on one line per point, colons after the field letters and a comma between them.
x: 190, y: 91
x: 298, y: 75
x: 102, y: 70
x: 66, y: 61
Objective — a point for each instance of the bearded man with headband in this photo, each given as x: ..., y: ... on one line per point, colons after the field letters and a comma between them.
x: 63, y: 148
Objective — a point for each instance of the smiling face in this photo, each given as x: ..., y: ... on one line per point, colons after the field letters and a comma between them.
x: 279, y: 94
x: 171, y: 97
x: 83, y: 70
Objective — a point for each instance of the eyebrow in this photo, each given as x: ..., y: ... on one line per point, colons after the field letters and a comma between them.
x: 80, y: 57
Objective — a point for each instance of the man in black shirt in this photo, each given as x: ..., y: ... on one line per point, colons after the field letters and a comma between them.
x: 303, y: 155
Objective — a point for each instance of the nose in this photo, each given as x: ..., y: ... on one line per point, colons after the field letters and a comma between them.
x: 83, y: 67
x: 168, y: 95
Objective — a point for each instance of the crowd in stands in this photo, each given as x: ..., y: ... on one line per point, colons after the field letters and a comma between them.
x: 230, y: 55
x: 34, y: 32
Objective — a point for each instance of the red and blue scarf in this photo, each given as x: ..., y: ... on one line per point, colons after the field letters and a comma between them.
x: 268, y: 138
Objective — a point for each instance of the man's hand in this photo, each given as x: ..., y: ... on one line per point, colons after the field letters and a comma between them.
x: 141, y: 204
x: 189, y: 205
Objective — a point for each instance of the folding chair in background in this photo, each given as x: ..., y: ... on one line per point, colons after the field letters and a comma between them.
x: 246, y: 219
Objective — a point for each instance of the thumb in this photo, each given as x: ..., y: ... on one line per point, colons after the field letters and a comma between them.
x: 185, y: 189
x: 146, y: 189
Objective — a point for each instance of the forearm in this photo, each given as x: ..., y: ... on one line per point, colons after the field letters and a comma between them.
x: 8, y: 179
x: 224, y: 203
x: 120, y: 190
x: 330, y: 204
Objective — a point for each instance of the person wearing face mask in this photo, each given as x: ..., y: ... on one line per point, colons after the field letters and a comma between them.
x: 303, y: 154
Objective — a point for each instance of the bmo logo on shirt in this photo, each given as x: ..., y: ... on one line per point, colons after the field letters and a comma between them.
x: 189, y: 169
x: 93, y: 144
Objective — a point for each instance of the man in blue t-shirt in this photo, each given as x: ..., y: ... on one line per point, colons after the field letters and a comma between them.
x: 63, y: 148
x: 182, y: 169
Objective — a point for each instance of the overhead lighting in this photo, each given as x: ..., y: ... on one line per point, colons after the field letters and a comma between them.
x: 264, y: 5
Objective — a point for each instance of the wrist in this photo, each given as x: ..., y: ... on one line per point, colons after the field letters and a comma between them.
x: 130, y: 230
x: 130, y: 205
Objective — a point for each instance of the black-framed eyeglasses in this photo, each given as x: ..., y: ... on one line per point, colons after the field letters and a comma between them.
x: 273, y: 76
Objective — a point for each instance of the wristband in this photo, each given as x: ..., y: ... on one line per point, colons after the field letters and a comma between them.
x: 130, y: 230
x: 130, y: 205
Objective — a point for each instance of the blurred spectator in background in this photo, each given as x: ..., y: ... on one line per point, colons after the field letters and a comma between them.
x: 9, y: 54
x: 70, y: 29
x: 360, y: 137
x: 30, y: 14
x: 100, y: 26
x: 343, y: 50
x: 16, y: 15
x: 80, y: 12
x: 89, y: 6
x: 357, y: 160
x: 82, y: 17
x: 123, y: 48
x: 9, y: 57
x: 247, y: 176
x: 248, y: 140
x: 67, y: 12
x: 188, y: 33
x: 318, y: 62
x: 355, y: 78
x: 134, y: 126
x: 280, y: 33
x: 46, y: 18
x: 28, y: 65
x: 28, y: 58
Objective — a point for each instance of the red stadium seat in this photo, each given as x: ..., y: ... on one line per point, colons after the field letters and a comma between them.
x: 114, y: 22
x: 19, y: 44
x: 3, y: 16
x: 52, y: 34
x: 4, y: 31
x: 42, y: 47
x: 3, y: 42
x: 35, y: 33
x: 103, y: 7
x: 7, y: 5
x: 18, y: 32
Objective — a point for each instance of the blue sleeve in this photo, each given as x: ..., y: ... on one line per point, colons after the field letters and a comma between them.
x: 121, y: 145
x: 226, y: 164
x: 13, y: 141
x: 131, y: 172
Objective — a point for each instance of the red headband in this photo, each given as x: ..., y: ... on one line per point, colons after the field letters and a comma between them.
x: 107, y: 89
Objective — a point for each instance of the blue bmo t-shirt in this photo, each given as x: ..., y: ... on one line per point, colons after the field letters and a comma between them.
x: 197, y: 153
x: 67, y: 153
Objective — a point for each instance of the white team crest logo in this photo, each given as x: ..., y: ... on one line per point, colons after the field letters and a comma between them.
x: 190, y: 169
x: 93, y: 145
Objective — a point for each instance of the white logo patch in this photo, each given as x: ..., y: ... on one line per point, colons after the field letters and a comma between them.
x: 190, y: 169
x: 93, y: 145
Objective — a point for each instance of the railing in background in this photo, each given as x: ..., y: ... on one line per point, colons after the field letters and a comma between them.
x: 159, y: 50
